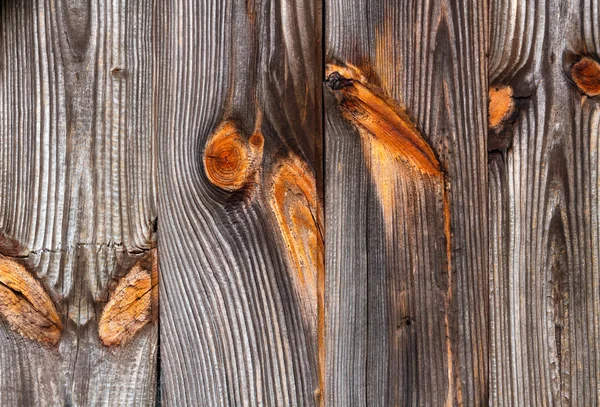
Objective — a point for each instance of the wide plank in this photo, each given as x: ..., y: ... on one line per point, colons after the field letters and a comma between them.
x: 544, y: 235
x: 77, y: 170
x: 239, y: 145
x: 406, y: 288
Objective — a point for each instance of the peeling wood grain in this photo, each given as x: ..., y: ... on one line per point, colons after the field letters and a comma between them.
x: 25, y: 304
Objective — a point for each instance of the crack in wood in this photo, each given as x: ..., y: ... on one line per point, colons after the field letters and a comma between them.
x: 77, y: 246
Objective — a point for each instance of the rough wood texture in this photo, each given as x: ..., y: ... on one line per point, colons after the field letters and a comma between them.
x: 544, y: 197
x: 502, y: 105
x: 239, y: 256
x: 586, y: 75
x: 130, y: 306
x: 461, y: 191
x: 25, y: 305
x: 76, y: 190
x: 406, y: 319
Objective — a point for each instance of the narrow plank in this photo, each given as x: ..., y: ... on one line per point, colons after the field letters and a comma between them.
x: 76, y: 190
x: 407, y: 250
x: 239, y: 122
x: 545, y: 277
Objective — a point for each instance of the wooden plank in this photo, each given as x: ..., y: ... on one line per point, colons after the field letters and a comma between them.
x: 239, y: 124
x: 406, y: 250
x: 545, y: 281
x: 76, y: 191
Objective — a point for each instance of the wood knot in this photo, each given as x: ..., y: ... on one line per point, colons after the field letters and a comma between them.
x: 378, y: 117
x: 133, y: 304
x: 231, y: 160
x: 336, y: 81
x: 586, y: 75
x: 117, y: 72
x: 25, y: 305
x: 502, y: 105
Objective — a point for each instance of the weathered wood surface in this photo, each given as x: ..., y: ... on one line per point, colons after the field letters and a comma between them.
x: 544, y: 202
x: 406, y: 309
x: 460, y: 263
x: 77, y: 164
x: 239, y: 138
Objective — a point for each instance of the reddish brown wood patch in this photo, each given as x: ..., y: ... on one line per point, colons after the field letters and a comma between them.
x: 501, y: 105
x: 293, y: 199
x: 132, y: 305
x: 26, y: 306
x: 294, y: 202
x: 230, y: 160
x: 586, y: 75
x: 370, y: 112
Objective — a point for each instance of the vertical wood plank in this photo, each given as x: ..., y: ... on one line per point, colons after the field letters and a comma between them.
x: 545, y: 278
x: 76, y: 190
x: 239, y: 124
x: 407, y: 253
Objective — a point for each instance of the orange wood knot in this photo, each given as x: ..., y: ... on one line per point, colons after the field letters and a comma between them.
x: 376, y: 116
x: 586, y: 75
x: 25, y: 305
x: 231, y: 160
x: 133, y: 304
x: 502, y: 105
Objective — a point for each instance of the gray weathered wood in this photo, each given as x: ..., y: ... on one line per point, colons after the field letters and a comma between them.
x: 544, y: 197
x: 403, y: 325
x: 77, y: 166
x: 237, y: 327
x: 107, y: 107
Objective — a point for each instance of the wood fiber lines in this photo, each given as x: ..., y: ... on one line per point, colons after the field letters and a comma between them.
x: 352, y: 202
x: 239, y: 118
x: 544, y: 197
x: 406, y: 309
x: 77, y: 171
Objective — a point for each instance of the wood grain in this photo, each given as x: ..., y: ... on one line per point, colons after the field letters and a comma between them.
x: 501, y: 106
x: 25, y: 305
x: 129, y: 308
x: 405, y: 323
x: 586, y: 75
x: 239, y: 273
x: 77, y: 169
x: 544, y: 272
x: 460, y: 186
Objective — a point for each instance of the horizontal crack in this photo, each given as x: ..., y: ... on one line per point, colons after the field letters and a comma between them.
x: 74, y: 248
